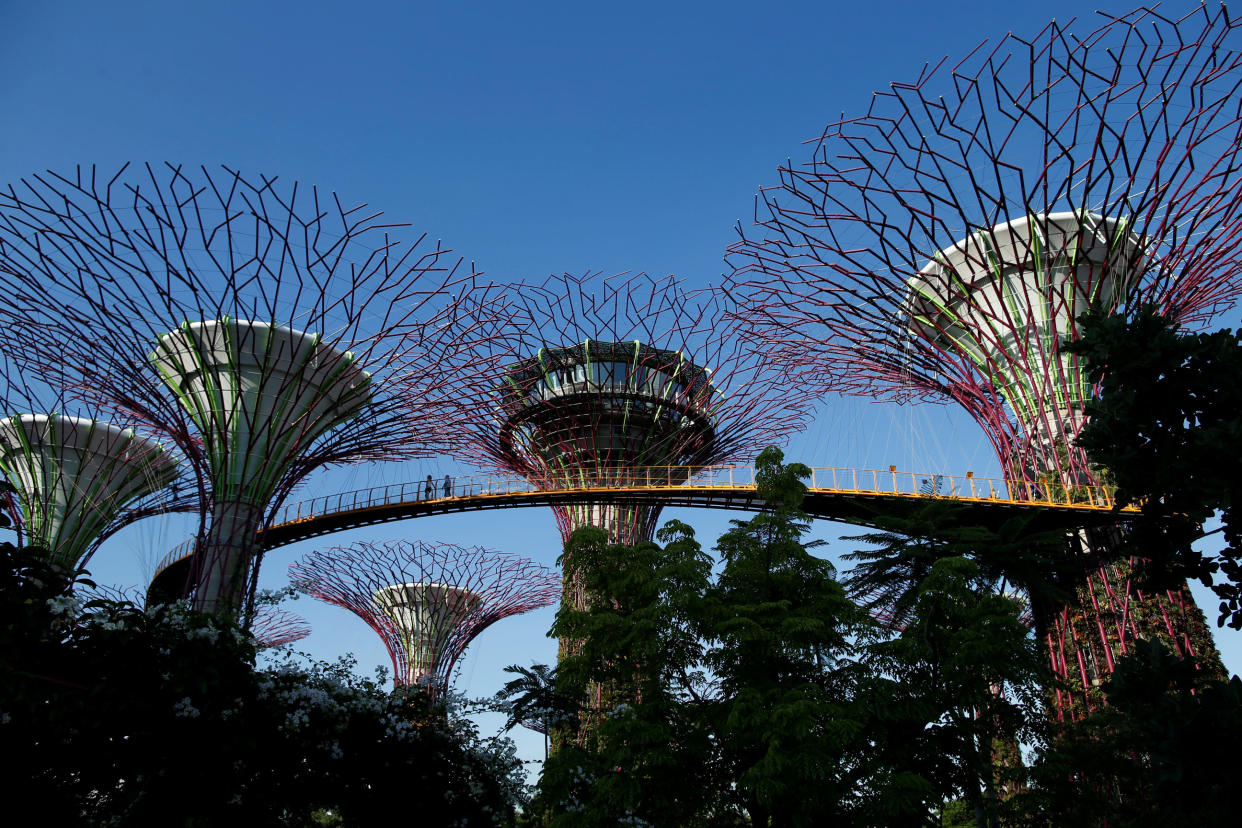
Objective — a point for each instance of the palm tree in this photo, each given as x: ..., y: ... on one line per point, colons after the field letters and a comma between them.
x: 531, y: 700
x: 1014, y: 556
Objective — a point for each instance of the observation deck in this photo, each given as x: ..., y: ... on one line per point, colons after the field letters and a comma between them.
x: 597, y: 411
x: 860, y: 496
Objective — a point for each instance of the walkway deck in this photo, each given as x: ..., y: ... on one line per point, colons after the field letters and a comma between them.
x: 860, y: 496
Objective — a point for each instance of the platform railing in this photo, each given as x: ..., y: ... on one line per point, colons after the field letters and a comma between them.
x: 833, y: 480
x: 181, y: 550
x: 965, y: 487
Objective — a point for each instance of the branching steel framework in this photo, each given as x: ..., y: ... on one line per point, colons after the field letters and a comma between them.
x: 76, y: 479
x: 596, y: 377
x: 275, y: 627
x: 942, y: 246
x: 253, y: 324
x: 427, y: 602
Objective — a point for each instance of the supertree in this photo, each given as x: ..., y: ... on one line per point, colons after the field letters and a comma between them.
x: 426, y: 601
x: 274, y: 627
x: 615, y: 382
x: 76, y: 479
x: 252, y: 324
x: 943, y: 246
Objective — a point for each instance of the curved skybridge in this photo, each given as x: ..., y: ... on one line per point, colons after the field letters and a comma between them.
x: 860, y: 496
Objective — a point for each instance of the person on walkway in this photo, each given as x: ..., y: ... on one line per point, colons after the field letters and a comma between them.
x: 430, y: 488
x: 448, y: 486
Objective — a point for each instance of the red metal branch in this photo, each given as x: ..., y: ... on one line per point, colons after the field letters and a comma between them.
x: 426, y: 601
x: 592, y: 376
x: 158, y: 291
x: 274, y: 627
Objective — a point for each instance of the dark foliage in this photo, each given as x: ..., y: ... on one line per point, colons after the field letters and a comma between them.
x: 1161, y: 754
x: 127, y: 717
x: 764, y: 696
x: 780, y: 627
x: 645, y: 758
x: 886, y: 576
x: 1167, y: 427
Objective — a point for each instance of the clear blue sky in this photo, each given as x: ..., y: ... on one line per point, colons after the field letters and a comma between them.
x: 532, y: 137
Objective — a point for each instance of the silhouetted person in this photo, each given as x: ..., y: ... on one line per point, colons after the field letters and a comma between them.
x: 430, y: 488
x: 448, y: 486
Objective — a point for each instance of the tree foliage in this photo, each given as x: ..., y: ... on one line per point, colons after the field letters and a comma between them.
x: 643, y: 758
x: 887, y: 573
x: 131, y: 717
x: 780, y: 627
x: 763, y: 695
x: 1160, y: 754
x: 1167, y: 427
x: 960, y: 682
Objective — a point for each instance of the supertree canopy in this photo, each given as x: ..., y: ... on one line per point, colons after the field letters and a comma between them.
x: 426, y: 601
x: 1038, y: 274
x: 617, y: 382
x: 943, y: 246
x: 253, y: 324
x: 74, y: 476
x: 76, y: 479
x: 275, y: 627
x: 595, y: 413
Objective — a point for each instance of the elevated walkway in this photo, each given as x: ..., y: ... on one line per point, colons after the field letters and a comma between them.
x: 860, y: 496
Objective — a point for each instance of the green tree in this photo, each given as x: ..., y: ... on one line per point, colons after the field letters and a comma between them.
x: 885, y: 578
x: 532, y: 700
x: 960, y: 679
x: 1160, y: 754
x: 1168, y: 427
x: 717, y: 699
x: 765, y: 696
x: 645, y: 756
x: 779, y: 626
x: 957, y: 813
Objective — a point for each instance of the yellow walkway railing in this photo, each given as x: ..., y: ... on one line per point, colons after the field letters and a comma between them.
x: 822, y: 480
x: 482, y: 491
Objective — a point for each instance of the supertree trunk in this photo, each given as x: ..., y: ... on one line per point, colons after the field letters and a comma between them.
x: 1107, y: 615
